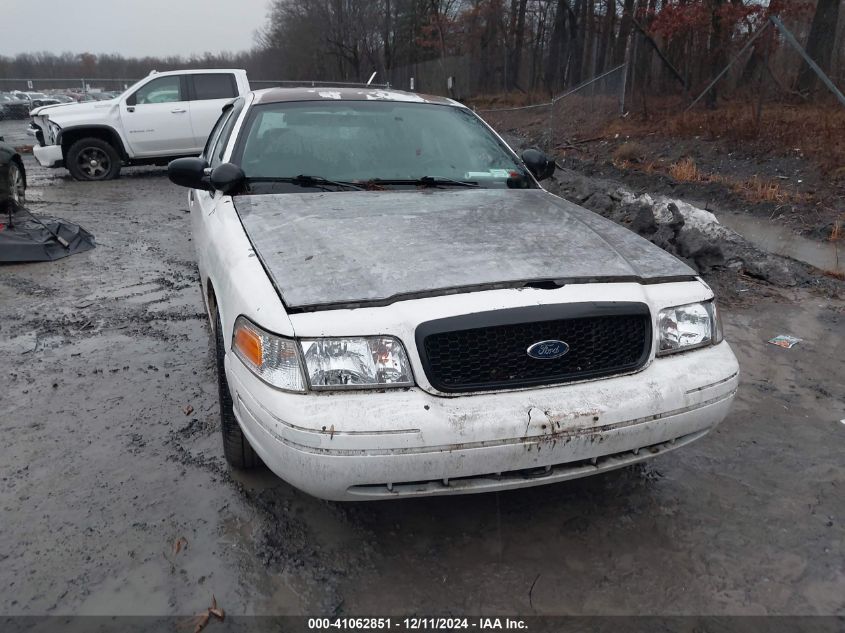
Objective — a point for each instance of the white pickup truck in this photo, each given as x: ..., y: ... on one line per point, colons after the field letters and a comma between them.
x: 164, y: 116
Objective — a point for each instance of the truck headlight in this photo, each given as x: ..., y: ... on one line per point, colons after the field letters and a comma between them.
x: 272, y: 358
x: 53, y: 130
x: 687, y: 327
x: 356, y: 363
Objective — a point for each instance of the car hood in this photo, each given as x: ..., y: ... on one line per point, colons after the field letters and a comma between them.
x: 351, y: 249
x: 60, y: 109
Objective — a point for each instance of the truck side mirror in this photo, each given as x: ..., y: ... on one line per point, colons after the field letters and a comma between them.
x: 189, y: 172
x: 540, y: 165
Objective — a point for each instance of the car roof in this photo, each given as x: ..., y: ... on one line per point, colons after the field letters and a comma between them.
x: 282, y: 95
x: 194, y: 71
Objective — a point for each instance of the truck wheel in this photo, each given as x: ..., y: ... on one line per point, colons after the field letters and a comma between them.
x: 92, y: 159
x: 236, y: 448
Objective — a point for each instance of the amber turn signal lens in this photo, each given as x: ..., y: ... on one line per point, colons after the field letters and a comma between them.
x: 249, y: 345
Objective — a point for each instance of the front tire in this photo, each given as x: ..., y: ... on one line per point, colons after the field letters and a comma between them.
x: 93, y: 159
x: 239, y: 454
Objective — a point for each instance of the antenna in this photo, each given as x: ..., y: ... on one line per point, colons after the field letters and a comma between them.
x: 373, y: 76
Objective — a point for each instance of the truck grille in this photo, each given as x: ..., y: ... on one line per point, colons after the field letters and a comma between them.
x: 488, y: 350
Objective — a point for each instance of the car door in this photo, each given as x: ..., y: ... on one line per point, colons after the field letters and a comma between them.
x: 203, y: 203
x: 157, y: 118
x: 209, y: 92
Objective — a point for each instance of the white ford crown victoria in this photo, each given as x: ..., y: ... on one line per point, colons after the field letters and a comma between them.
x: 399, y: 309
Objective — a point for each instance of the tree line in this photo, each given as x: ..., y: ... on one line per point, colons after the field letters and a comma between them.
x: 511, y: 45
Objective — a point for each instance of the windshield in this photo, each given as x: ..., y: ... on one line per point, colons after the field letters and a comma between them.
x: 363, y: 141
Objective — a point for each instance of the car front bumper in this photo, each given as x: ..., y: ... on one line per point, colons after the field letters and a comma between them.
x: 409, y: 443
x: 49, y: 155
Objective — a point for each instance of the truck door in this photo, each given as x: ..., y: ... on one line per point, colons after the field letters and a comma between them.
x: 209, y: 93
x: 157, y: 118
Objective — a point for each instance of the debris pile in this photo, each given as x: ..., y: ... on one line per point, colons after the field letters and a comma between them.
x: 690, y: 233
x: 25, y: 237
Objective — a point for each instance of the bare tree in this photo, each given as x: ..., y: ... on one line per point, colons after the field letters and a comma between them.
x: 820, y: 43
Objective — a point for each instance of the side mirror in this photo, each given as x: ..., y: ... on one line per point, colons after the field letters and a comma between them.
x: 540, y: 165
x: 228, y: 178
x: 189, y: 172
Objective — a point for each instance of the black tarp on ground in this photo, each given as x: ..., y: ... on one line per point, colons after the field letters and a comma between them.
x: 28, y: 241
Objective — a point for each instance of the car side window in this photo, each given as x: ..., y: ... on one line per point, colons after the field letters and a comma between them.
x: 223, y: 139
x: 161, y: 90
x: 211, y: 142
x: 214, y: 86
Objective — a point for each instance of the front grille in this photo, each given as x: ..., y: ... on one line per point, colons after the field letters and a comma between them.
x: 488, y: 350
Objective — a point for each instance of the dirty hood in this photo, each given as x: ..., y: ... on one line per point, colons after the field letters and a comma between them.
x: 350, y: 249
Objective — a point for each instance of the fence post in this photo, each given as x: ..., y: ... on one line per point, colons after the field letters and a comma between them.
x: 762, y: 89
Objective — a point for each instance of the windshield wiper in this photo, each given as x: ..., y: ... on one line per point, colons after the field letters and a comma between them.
x: 307, y: 181
x: 425, y: 181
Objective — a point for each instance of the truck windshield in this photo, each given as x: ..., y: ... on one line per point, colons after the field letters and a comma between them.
x: 396, y: 143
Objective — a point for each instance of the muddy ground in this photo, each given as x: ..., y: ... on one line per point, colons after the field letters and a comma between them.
x: 103, y: 467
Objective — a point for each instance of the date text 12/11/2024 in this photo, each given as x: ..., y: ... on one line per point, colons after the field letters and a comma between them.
x: 417, y: 624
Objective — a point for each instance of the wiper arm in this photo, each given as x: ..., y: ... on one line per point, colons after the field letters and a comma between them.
x: 307, y: 181
x: 441, y: 181
x: 425, y: 181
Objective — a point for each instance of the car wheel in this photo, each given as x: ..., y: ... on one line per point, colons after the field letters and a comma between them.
x: 17, y: 185
x: 92, y: 159
x: 239, y: 454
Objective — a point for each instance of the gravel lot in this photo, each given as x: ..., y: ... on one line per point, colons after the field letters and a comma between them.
x: 102, y: 470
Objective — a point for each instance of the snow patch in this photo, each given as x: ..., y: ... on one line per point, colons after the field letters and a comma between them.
x: 694, y: 217
x: 393, y: 96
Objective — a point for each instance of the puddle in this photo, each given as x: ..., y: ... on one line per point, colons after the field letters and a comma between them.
x: 780, y: 240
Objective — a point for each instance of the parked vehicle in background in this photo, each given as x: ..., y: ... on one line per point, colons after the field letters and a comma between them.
x: 38, y: 99
x: 12, y: 177
x: 163, y: 116
x: 76, y: 95
x: 13, y: 107
x: 399, y: 309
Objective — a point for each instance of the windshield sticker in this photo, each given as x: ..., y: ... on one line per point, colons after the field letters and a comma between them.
x: 491, y: 173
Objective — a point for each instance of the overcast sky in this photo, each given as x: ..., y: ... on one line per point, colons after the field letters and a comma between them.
x: 129, y: 27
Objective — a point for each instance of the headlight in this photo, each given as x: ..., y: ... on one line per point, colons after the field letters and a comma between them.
x: 367, y: 362
x: 356, y: 363
x: 272, y: 358
x: 53, y: 130
x: 686, y: 327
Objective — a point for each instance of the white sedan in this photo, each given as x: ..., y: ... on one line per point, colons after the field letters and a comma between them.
x: 399, y: 309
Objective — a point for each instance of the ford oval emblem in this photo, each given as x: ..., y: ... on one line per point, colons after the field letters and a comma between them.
x: 547, y: 350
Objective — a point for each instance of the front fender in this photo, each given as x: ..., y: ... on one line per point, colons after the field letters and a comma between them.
x: 229, y: 264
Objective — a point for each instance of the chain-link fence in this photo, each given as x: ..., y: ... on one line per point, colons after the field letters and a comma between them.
x: 59, y: 85
x: 574, y: 116
x: 260, y: 84
x: 19, y: 96
x: 449, y: 77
